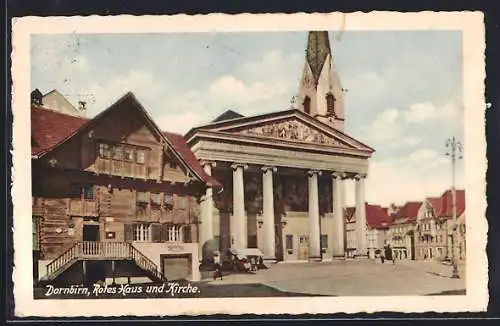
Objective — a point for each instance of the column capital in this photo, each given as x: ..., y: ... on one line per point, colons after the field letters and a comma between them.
x: 234, y: 166
x: 206, y: 162
x: 339, y: 175
x: 267, y: 168
x: 359, y: 176
x: 314, y: 172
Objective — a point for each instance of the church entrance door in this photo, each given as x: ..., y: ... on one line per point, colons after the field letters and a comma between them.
x: 303, y: 253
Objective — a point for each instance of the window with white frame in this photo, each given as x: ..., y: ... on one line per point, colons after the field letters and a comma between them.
x: 142, y: 232
x: 174, y: 233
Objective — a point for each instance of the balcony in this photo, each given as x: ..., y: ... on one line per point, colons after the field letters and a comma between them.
x: 83, y: 207
x: 121, y: 168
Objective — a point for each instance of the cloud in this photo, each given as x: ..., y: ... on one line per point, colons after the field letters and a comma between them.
x: 143, y: 84
x: 426, y: 111
x: 180, y: 123
x: 386, y: 126
x: 409, y: 178
x: 400, y: 127
x: 230, y: 91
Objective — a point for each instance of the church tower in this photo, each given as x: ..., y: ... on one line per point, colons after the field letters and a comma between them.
x: 320, y: 93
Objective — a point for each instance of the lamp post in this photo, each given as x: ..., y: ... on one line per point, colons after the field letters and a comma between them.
x: 454, y: 150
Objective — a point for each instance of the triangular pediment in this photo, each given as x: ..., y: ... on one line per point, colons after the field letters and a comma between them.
x: 290, y: 126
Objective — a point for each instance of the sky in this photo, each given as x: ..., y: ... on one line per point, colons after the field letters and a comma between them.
x: 404, y: 89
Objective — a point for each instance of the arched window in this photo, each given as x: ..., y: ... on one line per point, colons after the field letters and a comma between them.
x: 307, y: 105
x: 330, y: 104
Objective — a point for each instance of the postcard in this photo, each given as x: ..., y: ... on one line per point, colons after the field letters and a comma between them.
x: 249, y: 164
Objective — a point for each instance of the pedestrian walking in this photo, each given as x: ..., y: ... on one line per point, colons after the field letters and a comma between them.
x: 217, y: 267
x: 389, y: 254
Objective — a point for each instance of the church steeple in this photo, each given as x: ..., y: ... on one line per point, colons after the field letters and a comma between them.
x: 320, y: 93
x: 318, y: 49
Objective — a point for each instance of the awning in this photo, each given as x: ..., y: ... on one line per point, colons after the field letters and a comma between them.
x: 246, y: 252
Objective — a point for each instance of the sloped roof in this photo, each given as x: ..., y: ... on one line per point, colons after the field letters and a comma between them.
x: 447, y: 203
x: 349, y: 213
x: 318, y: 48
x: 179, y: 144
x: 228, y: 115
x: 408, y: 212
x: 376, y: 216
x: 49, y: 128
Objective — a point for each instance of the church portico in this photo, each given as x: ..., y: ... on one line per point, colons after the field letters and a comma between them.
x: 283, y: 172
x: 278, y: 194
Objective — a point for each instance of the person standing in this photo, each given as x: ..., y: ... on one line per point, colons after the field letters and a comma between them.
x: 217, y: 266
x: 388, y: 253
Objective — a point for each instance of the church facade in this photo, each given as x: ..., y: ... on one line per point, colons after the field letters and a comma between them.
x: 283, y: 173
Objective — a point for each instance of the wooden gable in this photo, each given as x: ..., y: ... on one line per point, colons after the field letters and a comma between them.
x: 127, y: 126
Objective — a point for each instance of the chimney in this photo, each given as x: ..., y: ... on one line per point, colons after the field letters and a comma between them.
x: 36, y: 97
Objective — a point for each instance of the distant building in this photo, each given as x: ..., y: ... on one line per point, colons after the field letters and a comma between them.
x: 55, y: 101
x: 435, y: 227
x: 401, y: 231
x: 378, y: 222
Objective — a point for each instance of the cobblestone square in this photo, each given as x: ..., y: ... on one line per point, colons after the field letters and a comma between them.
x: 365, y: 277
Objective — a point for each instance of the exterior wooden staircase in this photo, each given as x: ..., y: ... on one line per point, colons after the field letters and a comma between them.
x: 93, y: 250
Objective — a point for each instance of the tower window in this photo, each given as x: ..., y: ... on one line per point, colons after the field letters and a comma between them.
x: 330, y: 104
x: 307, y: 105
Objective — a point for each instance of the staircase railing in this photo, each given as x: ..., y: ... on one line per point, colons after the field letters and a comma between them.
x: 64, y: 259
x: 145, y: 263
x: 108, y: 250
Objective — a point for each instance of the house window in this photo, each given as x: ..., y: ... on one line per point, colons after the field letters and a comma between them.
x: 289, y: 242
x: 128, y: 154
x: 307, y: 105
x: 36, y: 233
x: 155, y: 199
x: 174, y: 233
x: 75, y: 190
x: 181, y: 202
x: 142, y: 197
x: 88, y: 192
x: 117, y: 152
x: 330, y: 104
x: 104, y: 150
x: 140, y: 156
x: 324, y: 241
x: 142, y: 232
x: 168, y: 199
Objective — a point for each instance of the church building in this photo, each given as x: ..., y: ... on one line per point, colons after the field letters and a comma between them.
x: 283, y: 173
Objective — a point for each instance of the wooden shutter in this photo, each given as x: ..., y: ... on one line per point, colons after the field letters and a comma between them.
x: 156, y: 232
x: 187, y: 233
x: 163, y: 233
x: 128, y: 232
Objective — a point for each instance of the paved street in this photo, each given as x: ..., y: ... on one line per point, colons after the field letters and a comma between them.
x: 354, y: 277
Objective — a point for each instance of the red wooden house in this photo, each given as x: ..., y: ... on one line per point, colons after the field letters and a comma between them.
x: 114, y: 197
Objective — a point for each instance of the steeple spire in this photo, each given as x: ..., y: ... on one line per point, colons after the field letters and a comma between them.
x: 320, y: 94
x: 318, y: 49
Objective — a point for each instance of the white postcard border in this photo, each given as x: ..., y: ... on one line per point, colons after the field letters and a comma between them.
x: 471, y: 24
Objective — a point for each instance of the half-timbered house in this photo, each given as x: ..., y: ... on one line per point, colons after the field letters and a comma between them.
x: 114, y: 197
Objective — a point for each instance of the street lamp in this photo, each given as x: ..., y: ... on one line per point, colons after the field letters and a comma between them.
x: 454, y: 149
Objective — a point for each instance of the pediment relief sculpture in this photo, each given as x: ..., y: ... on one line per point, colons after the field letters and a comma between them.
x: 293, y: 130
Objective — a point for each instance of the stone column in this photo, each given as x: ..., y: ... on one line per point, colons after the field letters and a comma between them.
x: 207, y: 225
x: 338, y: 231
x: 314, y: 226
x: 361, y: 246
x: 268, y: 213
x: 238, y: 221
